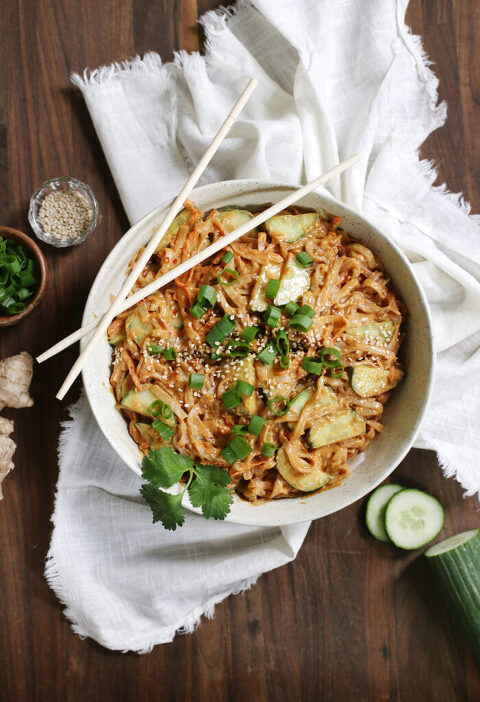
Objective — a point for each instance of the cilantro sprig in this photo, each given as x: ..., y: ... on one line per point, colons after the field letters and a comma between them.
x: 207, y: 486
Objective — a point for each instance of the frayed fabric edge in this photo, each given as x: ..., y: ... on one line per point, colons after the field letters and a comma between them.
x: 150, y: 64
x: 450, y: 471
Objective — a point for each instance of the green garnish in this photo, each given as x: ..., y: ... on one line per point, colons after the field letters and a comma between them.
x: 272, y: 287
x: 304, y: 258
x: 216, y: 356
x: 267, y: 355
x: 331, y: 351
x: 338, y: 371
x: 268, y: 450
x: 220, y: 331
x: 170, y: 354
x: 312, y: 365
x: 196, y: 381
x: 207, y: 296
x: 18, y: 277
x: 244, y: 388
x: 156, y: 408
x: 231, y: 398
x: 249, y: 334
x: 291, y: 307
x: 154, y: 349
x: 238, y: 449
x: 236, y: 348
x: 272, y: 316
x: 197, y: 310
x: 227, y: 257
x: 284, y: 403
x: 239, y: 429
x: 163, y: 429
x: 207, y: 487
x: 282, y: 343
x: 233, y: 275
x: 256, y: 425
x: 309, y: 311
x: 300, y: 321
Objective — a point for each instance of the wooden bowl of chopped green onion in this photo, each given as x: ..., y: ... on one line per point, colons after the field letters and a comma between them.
x: 23, y: 276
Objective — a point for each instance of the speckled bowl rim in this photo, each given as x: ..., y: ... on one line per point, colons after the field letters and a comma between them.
x: 414, y: 391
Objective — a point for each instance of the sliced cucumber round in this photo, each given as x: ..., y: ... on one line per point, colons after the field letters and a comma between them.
x: 413, y: 518
x: 375, y: 512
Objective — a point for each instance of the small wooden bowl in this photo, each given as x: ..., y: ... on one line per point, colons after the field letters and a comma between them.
x: 36, y: 253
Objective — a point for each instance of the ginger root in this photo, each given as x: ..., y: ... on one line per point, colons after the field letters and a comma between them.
x: 7, y: 449
x: 15, y: 377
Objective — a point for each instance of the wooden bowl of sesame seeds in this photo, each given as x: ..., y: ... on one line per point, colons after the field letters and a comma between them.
x: 36, y: 254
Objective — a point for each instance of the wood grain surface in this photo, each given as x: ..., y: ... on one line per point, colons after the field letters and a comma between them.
x: 350, y: 618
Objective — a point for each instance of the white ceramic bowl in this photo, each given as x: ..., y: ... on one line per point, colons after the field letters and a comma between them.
x: 402, y: 415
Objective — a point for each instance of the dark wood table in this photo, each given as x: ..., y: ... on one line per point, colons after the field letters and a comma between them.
x: 350, y: 618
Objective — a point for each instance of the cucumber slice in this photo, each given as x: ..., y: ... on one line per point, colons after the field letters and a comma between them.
x: 172, y: 231
x: 291, y: 227
x: 139, y: 401
x: 259, y: 302
x: 456, y: 565
x: 375, y: 512
x: 368, y: 381
x: 413, y: 518
x: 379, y: 333
x: 138, y: 329
x: 294, y: 282
x: 150, y: 436
x: 175, y: 316
x: 299, y: 402
x: 306, y: 482
x: 337, y: 426
x: 232, y: 219
x: 117, y: 339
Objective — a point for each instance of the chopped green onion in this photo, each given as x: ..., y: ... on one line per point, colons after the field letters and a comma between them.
x: 304, y: 258
x: 156, y: 408
x: 256, y: 425
x: 272, y: 316
x: 330, y: 351
x: 267, y: 355
x: 167, y: 412
x: 207, y: 296
x: 291, y: 307
x: 163, y: 429
x: 284, y: 403
x: 196, y: 381
x: 240, y: 447
x: 284, y: 361
x: 338, y: 371
x: 216, y: 356
x: 249, y: 334
x: 220, y: 331
x: 17, y: 276
x: 312, y: 365
x: 228, y: 455
x: 227, y: 257
x: 272, y: 287
x: 197, y: 310
x: 282, y: 342
x: 244, y: 388
x: 309, y: 311
x: 268, y: 450
x: 154, y: 348
x: 234, y: 275
x: 231, y: 398
x: 239, y: 429
x: 237, y: 348
x: 170, y: 354
x: 300, y: 321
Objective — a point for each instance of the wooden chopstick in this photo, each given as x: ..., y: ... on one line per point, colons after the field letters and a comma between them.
x: 143, y: 259
x: 202, y: 255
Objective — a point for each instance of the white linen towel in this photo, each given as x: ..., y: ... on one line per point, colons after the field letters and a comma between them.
x: 334, y: 78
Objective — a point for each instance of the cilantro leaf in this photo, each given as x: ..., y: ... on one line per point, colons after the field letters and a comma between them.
x: 166, y: 508
x: 165, y: 467
x: 214, y: 501
x: 218, y: 476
